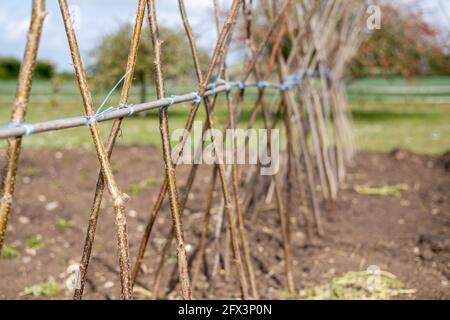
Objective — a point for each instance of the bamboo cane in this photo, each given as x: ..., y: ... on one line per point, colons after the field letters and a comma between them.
x: 93, y: 218
x: 18, y: 112
x: 120, y: 199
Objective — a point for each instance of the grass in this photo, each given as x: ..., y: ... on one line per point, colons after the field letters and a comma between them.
x: 43, y: 289
x: 393, y: 191
x: 419, y: 128
x: 35, y: 242
x: 139, y: 187
x: 9, y: 252
x: 358, y: 285
x: 63, y: 224
x: 422, y: 128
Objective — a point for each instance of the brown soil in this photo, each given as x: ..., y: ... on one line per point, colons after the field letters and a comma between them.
x: 408, y: 236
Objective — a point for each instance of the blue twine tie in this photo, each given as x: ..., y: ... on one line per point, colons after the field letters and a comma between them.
x: 241, y: 85
x: 170, y: 99
x: 220, y: 81
x: 263, y: 84
x: 130, y: 108
x: 283, y: 86
x: 99, y: 112
x: 28, y: 127
x: 197, y: 99
x: 298, y: 79
x: 92, y: 119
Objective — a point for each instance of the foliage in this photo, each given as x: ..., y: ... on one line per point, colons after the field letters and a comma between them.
x: 394, y: 191
x: 405, y: 45
x: 138, y: 187
x: 35, y: 242
x: 362, y: 285
x: 43, y: 289
x: 10, y: 68
x: 8, y: 252
x: 44, y: 70
x: 142, y: 292
x: 64, y: 224
x: 110, y: 57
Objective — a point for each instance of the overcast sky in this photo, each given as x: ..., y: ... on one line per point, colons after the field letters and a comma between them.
x: 103, y: 16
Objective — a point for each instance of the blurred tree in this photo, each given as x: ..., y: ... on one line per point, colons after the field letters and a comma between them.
x: 405, y: 45
x: 10, y: 67
x: 44, y: 70
x: 110, y: 58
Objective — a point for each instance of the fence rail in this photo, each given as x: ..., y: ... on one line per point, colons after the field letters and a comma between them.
x: 409, y: 90
x: 401, y: 94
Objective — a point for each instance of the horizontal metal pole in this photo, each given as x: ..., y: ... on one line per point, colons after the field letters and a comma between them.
x: 80, y: 121
x: 24, y: 129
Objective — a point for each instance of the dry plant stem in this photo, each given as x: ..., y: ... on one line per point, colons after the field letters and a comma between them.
x: 324, y: 143
x: 238, y: 206
x: 118, y: 197
x: 300, y: 186
x: 321, y: 109
x: 235, y: 180
x: 205, y: 229
x: 216, y: 240
x: 276, y: 181
x: 221, y: 168
x: 229, y: 212
x: 193, y: 171
x: 19, y: 110
x: 189, y: 183
x: 315, y: 141
x: 170, y: 168
x: 192, y: 175
x: 208, y: 105
x: 325, y: 113
x: 226, y: 255
x: 160, y: 270
x: 191, y: 38
x: 93, y: 218
x: 259, y: 99
x: 230, y: 217
x: 148, y: 230
x: 237, y: 98
x: 327, y: 96
x: 281, y: 209
x: 299, y: 180
x: 318, y: 151
x: 339, y: 139
x: 289, y: 173
x: 189, y: 123
x: 305, y: 151
x: 270, y: 65
x: 278, y: 192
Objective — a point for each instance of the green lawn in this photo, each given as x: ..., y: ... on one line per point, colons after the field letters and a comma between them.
x: 420, y: 128
x: 379, y: 126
